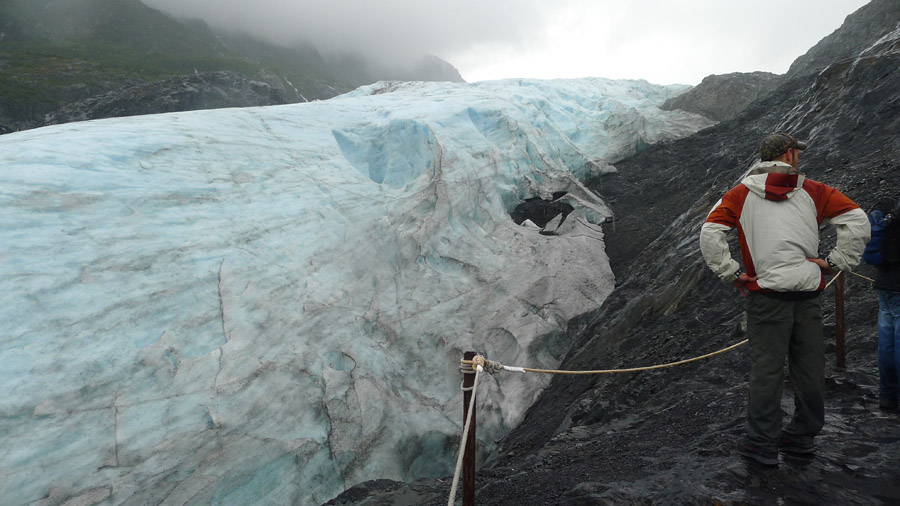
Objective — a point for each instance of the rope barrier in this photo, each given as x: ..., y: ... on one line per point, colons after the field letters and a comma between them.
x: 497, y: 366
x: 851, y: 272
x: 462, y: 446
x: 494, y: 367
x: 832, y: 280
x: 479, y: 364
x: 861, y: 276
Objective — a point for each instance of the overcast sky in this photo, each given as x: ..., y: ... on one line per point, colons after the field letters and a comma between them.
x: 662, y: 41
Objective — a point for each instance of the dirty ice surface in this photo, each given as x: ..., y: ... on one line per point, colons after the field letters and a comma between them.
x: 269, y: 305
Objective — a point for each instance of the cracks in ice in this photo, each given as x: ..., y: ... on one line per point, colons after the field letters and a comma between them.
x: 222, y: 302
x: 224, y: 330
x: 116, y: 426
x: 118, y: 405
x: 219, y: 371
x: 245, y: 381
x: 210, y: 421
x: 268, y: 129
x: 331, y: 434
x: 541, y: 310
x: 442, y: 205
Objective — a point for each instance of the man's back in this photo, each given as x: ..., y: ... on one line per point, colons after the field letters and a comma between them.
x: 778, y: 212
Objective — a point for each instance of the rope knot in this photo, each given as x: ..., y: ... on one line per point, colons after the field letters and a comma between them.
x: 488, y: 365
x: 467, y: 366
x: 470, y: 366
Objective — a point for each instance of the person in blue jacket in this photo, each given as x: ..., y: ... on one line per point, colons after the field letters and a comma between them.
x: 883, y: 251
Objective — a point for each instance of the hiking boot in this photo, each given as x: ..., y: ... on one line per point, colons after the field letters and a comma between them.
x: 888, y: 404
x: 764, y: 456
x: 796, y: 446
x: 799, y: 459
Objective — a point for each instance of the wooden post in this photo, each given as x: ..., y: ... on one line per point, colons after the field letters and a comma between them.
x: 839, y: 321
x: 468, y: 470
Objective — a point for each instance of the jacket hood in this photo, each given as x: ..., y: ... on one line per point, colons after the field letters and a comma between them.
x: 773, y: 180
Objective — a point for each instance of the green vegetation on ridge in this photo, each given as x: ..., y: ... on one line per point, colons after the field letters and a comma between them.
x: 54, y: 52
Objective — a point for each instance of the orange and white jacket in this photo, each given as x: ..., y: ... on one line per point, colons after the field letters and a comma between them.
x: 777, y: 212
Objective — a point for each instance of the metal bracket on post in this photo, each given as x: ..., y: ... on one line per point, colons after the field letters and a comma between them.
x: 468, y: 470
x: 840, y: 354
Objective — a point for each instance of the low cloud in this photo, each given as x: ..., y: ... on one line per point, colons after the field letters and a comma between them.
x: 663, y: 42
x: 392, y: 26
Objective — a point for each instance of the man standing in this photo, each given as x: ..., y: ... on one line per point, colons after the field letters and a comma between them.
x: 883, y: 251
x: 777, y: 212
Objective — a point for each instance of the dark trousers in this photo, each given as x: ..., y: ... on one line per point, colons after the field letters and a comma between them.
x: 780, y: 329
x: 889, y: 346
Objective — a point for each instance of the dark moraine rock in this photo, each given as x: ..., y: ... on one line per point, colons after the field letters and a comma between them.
x: 854, y: 36
x: 722, y: 97
x: 207, y: 90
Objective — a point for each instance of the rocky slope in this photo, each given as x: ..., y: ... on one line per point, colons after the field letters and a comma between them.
x: 62, y: 61
x: 854, y: 36
x: 353, y: 68
x: 207, y: 90
x: 667, y: 437
x: 722, y: 97
x: 59, y: 54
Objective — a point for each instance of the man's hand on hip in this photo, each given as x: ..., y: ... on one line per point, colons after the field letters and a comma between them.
x: 822, y: 265
x: 741, y: 282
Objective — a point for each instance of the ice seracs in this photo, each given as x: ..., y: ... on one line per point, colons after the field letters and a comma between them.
x: 268, y: 305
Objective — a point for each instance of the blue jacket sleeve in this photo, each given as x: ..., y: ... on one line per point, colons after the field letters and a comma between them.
x: 872, y: 255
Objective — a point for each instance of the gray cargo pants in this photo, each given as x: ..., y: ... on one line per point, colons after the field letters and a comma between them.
x: 778, y: 329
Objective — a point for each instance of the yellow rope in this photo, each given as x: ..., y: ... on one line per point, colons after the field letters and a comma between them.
x: 861, y: 276
x: 635, y: 369
x: 833, y: 280
x: 490, y: 366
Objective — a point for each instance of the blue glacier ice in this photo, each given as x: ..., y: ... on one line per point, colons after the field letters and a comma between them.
x: 268, y: 305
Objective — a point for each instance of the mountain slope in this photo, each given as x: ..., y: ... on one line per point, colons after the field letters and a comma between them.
x: 75, y: 53
x: 355, y: 69
x: 57, y: 53
x: 855, y: 35
x: 722, y: 97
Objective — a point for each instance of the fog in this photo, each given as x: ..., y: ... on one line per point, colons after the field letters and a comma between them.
x: 680, y: 41
x: 396, y: 27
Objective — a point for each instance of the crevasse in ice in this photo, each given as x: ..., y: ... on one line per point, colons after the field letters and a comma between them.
x: 268, y: 305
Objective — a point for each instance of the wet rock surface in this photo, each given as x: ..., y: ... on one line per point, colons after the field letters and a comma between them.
x: 854, y: 36
x: 722, y: 97
x: 207, y: 90
x: 668, y: 436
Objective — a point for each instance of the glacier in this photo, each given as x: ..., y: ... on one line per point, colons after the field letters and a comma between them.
x: 268, y: 305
